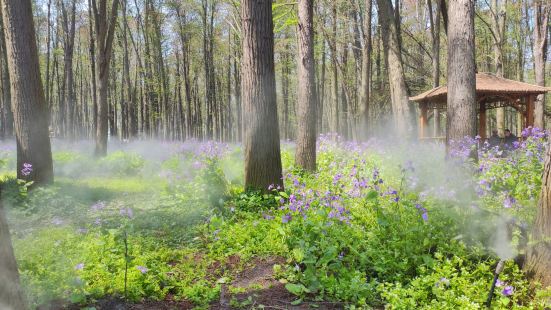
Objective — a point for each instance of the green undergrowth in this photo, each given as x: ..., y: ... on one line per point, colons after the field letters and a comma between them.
x: 359, y: 231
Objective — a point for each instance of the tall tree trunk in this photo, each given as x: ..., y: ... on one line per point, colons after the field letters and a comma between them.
x: 7, y: 113
x: 305, y: 155
x: 538, y: 256
x: 261, y: 134
x: 68, y: 25
x: 435, y: 35
x: 461, y: 118
x: 11, y: 295
x: 208, y: 60
x: 93, y: 78
x: 398, y: 87
x: 237, y: 90
x: 321, y: 93
x: 285, y: 92
x: 104, y: 28
x: 366, y: 72
x: 28, y: 101
x: 498, y: 24
x: 542, y: 10
x: 335, y: 59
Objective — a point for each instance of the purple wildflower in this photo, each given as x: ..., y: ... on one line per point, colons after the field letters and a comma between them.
x: 27, y: 169
x: 508, y: 290
x: 336, y: 178
x: 142, y: 269
x: 443, y: 282
x: 79, y: 266
x: 100, y: 205
x: 126, y: 212
x: 286, y: 218
x: 509, y: 202
x: 425, y: 216
x: 424, y: 213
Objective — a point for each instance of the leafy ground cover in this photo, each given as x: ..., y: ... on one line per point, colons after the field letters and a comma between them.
x: 162, y: 226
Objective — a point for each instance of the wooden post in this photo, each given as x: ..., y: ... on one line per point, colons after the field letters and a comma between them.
x: 482, y: 121
x: 423, y: 120
x: 530, y: 111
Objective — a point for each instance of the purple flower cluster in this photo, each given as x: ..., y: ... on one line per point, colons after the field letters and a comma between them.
x: 98, y: 206
x: 142, y: 269
x: 27, y: 169
x: 423, y: 211
x: 126, y: 212
x: 212, y: 150
x: 507, y: 290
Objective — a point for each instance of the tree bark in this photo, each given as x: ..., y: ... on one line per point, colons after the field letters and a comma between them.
x: 28, y: 101
x: 542, y: 10
x: 305, y: 156
x: 7, y: 113
x: 104, y: 28
x: 398, y: 88
x: 366, y: 72
x: 498, y: 13
x: 68, y: 25
x: 335, y: 59
x: 261, y: 133
x: 461, y: 112
x: 538, y: 256
x: 435, y: 35
x: 285, y: 92
x: 11, y: 295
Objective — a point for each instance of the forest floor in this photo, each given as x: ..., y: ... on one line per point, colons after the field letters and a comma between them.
x: 260, y: 290
x: 168, y: 226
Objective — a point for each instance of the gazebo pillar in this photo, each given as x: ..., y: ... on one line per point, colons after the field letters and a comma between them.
x: 482, y: 121
x: 530, y: 111
x: 423, y: 120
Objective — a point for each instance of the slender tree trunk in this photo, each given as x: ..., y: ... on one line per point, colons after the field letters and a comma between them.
x: 335, y: 59
x: 542, y: 10
x: 11, y: 294
x: 93, y: 78
x: 461, y: 118
x: 261, y: 134
x: 237, y: 89
x: 321, y: 93
x: 398, y: 87
x: 435, y: 35
x: 7, y: 113
x: 366, y: 72
x: 498, y: 25
x: 305, y: 155
x: 285, y: 92
x: 28, y: 101
x: 105, y: 28
x: 68, y: 24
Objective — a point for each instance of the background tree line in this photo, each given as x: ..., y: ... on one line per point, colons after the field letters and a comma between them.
x: 172, y: 70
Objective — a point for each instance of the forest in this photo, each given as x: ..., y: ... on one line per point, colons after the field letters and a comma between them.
x: 254, y: 154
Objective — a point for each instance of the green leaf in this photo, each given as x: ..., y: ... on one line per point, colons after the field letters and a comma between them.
x: 296, y: 289
x: 296, y: 302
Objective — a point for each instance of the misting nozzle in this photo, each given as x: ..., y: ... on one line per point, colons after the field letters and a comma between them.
x: 499, y: 267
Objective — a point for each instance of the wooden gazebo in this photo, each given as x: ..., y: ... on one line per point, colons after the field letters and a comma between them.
x: 491, y: 92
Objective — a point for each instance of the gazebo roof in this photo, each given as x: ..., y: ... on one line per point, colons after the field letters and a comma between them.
x: 486, y: 84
